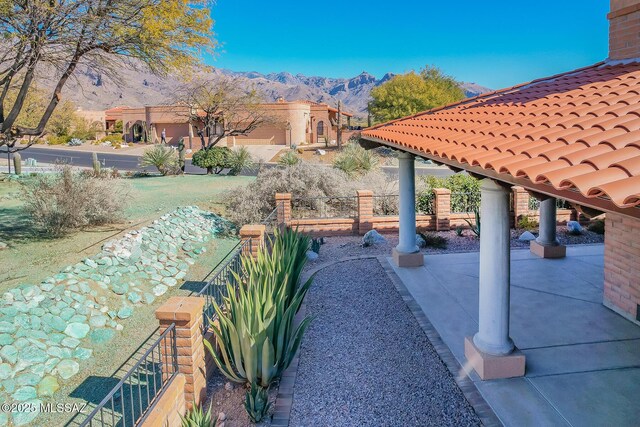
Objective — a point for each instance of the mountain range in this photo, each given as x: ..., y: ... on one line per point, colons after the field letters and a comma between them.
x: 92, y: 91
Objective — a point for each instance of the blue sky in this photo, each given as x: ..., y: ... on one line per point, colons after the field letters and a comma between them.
x: 494, y: 43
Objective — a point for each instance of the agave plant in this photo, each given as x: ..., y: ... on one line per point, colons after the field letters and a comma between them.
x: 255, y: 331
x: 165, y: 159
x: 198, y: 418
x: 257, y: 403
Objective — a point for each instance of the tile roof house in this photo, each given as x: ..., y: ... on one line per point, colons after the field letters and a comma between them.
x: 574, y: 136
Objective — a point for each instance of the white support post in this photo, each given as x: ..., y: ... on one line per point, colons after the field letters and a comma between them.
x: 490, y: 350
x: 547, y: 245
x: 407, y: 254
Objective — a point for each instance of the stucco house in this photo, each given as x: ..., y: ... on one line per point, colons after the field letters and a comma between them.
x: 573, y: 136
x: 290, y: 123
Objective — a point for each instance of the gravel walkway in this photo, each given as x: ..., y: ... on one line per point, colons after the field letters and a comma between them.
x: 366, y: 361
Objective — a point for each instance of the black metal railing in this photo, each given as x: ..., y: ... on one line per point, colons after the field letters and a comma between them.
x: 128, y: 403
x: 324, y: 207
x: 271, y: 221
x: 223, y: 273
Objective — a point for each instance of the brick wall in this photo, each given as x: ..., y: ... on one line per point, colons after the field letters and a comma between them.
x: 624, y: 29
x: 442, y: 220
x: 622, y: 265
x: 171, y: 405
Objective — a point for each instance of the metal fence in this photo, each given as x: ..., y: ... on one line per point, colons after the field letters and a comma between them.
x: 128, y: 403
x: 271, y: 221
x: 324, y: 207
x: 534, y: 204
x: 223, y: 273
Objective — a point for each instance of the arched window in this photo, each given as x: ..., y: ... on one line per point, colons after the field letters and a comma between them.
x: 320, y: 128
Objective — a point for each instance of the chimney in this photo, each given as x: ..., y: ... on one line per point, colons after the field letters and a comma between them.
x: 624, y: 29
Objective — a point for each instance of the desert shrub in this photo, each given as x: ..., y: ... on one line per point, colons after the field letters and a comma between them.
x: 213, y: 159
x: 596, y: 226
x: 165, y: 159
x: 527, y: 223
x: 58, y: 140
x: 465, y: 192
x: 434, y: 241
x: 111, y: 139
x: 70, y: 200
x: 355, y: 160
x: 290, y: 158
x: 239, y: 159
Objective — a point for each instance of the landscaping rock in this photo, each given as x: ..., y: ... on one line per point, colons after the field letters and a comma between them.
x: 67, y: 368
x: 372, y: 237
x: 48, y: 386
x: 574, y: 227
x: 312, y: 256
x: 77, y: 330
x: 420, y: 242
x: 527, y: 236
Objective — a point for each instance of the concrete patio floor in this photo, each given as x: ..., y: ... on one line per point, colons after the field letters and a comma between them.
x: 583, y: 360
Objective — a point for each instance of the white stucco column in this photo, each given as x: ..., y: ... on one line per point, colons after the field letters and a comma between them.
x: 547, y: 234
x: 494, y: 299
x: 407, y: 254
x: 547, y: 245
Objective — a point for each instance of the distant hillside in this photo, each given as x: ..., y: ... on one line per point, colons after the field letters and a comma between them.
x: 90, y: 90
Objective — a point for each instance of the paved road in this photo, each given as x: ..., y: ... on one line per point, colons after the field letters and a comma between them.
x: 124, y: 162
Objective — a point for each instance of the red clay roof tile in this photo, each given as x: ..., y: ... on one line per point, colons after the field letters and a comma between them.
x: 577, y: 131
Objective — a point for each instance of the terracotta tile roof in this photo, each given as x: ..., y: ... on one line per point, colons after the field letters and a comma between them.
x: 577, y: 131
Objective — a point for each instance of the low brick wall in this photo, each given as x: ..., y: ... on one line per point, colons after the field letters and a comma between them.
x: 442, y: 219
x: 171, y: 405
x: 622, y: 266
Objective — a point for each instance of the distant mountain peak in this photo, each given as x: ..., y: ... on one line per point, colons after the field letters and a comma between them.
x: 138, y: 88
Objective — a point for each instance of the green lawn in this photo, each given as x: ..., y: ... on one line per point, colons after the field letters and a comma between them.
x: 33, y: 257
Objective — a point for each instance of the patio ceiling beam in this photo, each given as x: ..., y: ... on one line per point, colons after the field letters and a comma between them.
x: 597, y: 203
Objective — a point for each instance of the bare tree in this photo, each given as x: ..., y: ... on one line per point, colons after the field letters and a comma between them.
x: 224, y: 107
x: 56, y: 36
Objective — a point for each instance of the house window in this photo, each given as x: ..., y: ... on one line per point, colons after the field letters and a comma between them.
x: 320, y: 128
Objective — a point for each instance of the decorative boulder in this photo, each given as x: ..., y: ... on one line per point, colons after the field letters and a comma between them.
x: 574, y: 227
x: 312, y: 256
x: 321, y: 152
x: 372, y: 237
x: 527, y: 236
x: 420, y: 242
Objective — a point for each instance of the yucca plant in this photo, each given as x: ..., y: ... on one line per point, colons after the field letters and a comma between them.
x: 239, y: 159
x: 165, y: 159
x: 289, y: 158
x: 196, y: 417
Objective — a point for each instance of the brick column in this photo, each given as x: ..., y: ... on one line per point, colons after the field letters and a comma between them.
x: 283, y: 204
x: 442, y: 208
x: 365, y: 211
x: 187, y: 314
x: 520, y: 203
x: 256, y: 234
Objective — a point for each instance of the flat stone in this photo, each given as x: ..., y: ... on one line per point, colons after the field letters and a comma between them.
x: 120, y: 288
x: 70, y: 342
x: 58, y: 324
x: 82, y: 353
x: 125, y: 312
x: 77, y: 330
x: 67, y: 368
x: 101, y: 336
x: 48, y: 386
x: 67, y: 313
x: 91, y: 263
x: 169, y: 281
x: 5, y: 371
x: 159, y: 290
x: 5, y: 339
x: 7, y: 327
x: 149, y: 298
x: 9, y: 385
x: 98, y: 321
x: 32, y: 355
x: 24, y: 393
x: 134, y: 297
x: 27, y: 379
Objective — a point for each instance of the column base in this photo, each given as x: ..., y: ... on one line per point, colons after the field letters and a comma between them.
x: 555, y: 251
x: 490, y: 367
x: 402, y: 259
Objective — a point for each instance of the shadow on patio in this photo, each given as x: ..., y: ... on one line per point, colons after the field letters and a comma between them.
x: 582, y: 359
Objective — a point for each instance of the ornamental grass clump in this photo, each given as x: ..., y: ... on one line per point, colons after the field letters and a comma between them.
x: 255, y: 333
